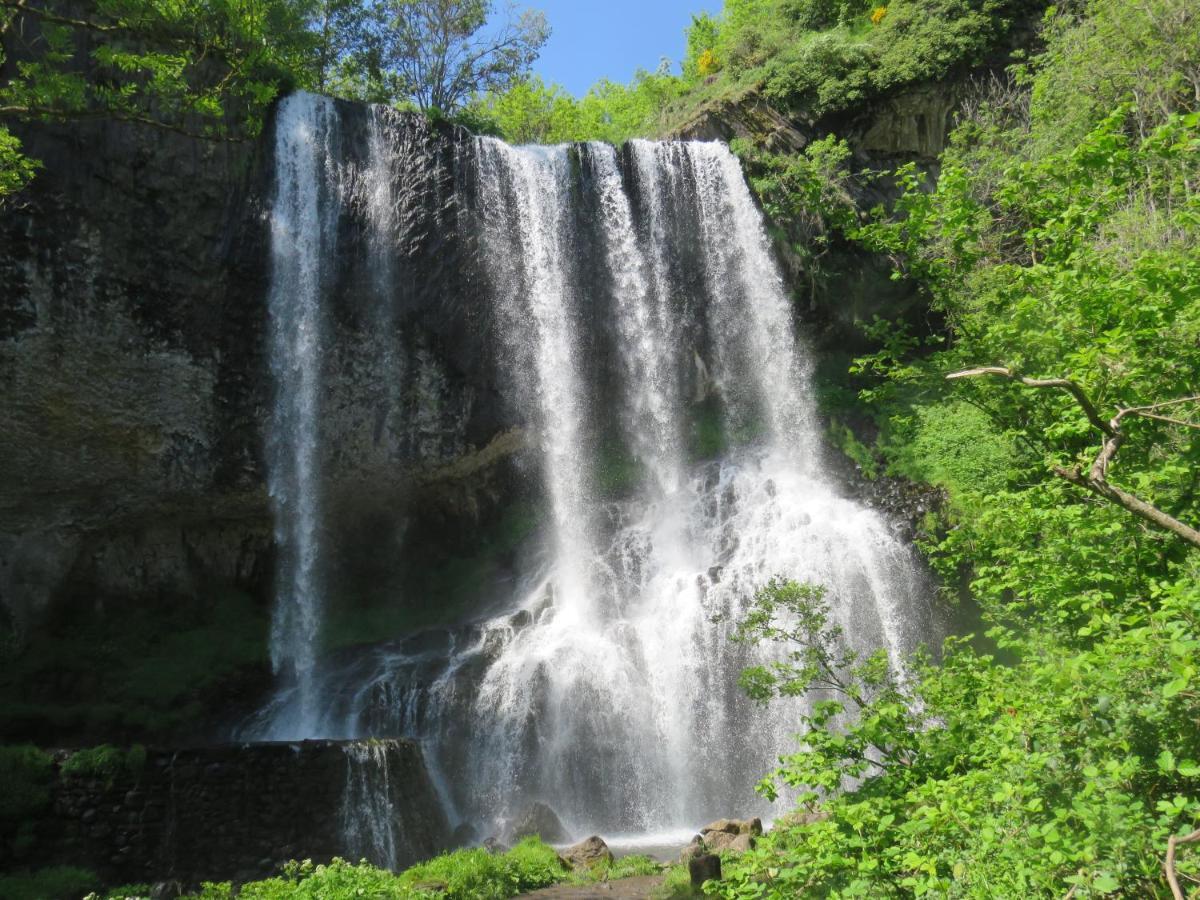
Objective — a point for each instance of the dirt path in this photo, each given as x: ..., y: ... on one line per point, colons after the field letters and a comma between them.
x: 642, y: 887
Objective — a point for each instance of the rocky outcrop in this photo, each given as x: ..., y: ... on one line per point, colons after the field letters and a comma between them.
x: 232, y: 812
x: 912, y: 124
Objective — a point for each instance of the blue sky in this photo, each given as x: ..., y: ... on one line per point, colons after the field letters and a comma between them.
x: 594, y: 39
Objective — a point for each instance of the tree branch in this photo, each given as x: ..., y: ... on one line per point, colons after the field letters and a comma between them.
x: 1063, y: 383
x: 1096, y: 480
x: 1169, y: 863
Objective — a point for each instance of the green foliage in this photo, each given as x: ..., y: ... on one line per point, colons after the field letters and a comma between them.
x: 439, y: 53
x: 532, y: 112
x: 529, y: 865
x: 625, y: 867
x: 105, y: 763
x: 953, y: 445
x: 208, y: 67
x: 135, y: 891
x: 473, y: 874
x: 1060, y: 238
x: 462, y: 875
x: 855, y: 450
x: 55, y: 883
x: 16, y: 170
x: 826, y: 55
x: 973, y: 779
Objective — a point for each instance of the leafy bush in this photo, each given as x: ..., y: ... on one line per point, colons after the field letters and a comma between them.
x: 104, y: 763
x: 1060, y: 239
x: 462, y: 875
x: 476, y: 873
x: 971, y: 778
x: 953, y: 445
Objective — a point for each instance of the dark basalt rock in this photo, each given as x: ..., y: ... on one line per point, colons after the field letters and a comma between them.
x: 135, y: 388
x: 232, y: 812
x: 704, y: 868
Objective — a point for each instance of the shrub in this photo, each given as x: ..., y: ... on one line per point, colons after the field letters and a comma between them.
x: 462, y: 875
x: 475, y: 873
x: 104, y: 763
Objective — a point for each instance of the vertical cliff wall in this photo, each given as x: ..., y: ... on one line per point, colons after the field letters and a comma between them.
x: 236, y: 812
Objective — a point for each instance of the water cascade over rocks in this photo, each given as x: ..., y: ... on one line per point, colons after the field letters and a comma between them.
x: 643, y: 333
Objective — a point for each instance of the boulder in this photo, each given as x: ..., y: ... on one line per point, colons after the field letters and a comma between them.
x: 741, y: 843
x: 464, y: 835
x: 704, y: 868
x: 587, y: 853
x: 733, y: 826
x: 495, y: 846
x: 733, y: 835
x: 539, y: 819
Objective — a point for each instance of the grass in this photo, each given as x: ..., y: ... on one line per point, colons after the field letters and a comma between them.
x: 473, y: 874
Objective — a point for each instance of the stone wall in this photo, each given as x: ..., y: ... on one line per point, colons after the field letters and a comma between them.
x: 235, y: 812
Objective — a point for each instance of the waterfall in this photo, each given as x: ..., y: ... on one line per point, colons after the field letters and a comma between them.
x: 643, y: 334
x: 303, y: 239
x: 528, y: 241
x: 369, y: 819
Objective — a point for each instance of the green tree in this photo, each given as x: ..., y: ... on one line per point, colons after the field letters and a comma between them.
x: 208, y: 67
x: 441, y: 51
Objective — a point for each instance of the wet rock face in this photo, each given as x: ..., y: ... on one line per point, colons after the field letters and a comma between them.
x: 230, y: 813
x: 134, y: 379
x: 126, y: 365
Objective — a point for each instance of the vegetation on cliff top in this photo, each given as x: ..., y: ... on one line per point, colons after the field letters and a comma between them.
x: 210, y: 69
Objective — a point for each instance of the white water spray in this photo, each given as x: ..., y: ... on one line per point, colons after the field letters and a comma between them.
x: 635, y: 302
x: 303, y: 222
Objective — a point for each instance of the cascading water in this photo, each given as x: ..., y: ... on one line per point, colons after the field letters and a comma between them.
x: 303, y: 237
x: 368, y: 814
x: 642, y: 329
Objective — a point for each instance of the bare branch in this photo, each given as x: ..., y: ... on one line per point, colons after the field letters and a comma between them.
x: 1096, y: 480
x: 1063, y: 383
x: 1169, y: 863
